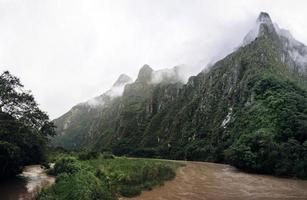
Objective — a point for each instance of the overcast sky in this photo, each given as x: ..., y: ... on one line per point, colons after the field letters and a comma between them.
x: 67, y: 51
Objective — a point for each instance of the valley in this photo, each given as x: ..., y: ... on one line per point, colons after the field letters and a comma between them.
x: 248, y: 109
x: 235, y: 130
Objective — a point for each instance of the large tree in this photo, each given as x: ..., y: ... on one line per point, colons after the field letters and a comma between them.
x: 24, y: 128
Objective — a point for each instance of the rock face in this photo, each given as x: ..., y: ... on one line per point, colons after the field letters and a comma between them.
x: 145, y: 74
x: 76, y: 128
x: 249, y: 109
x: 294, y: 52
x: 122, y: 80
x: 73, y: 127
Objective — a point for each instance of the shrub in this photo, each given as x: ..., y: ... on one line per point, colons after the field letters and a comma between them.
x: 9, y: 159
x: 129, y: 191
x: 104, y: 178
x: 69, y: 165
x: 87, y: 155
x: 144, y: 152
x: 83, y: 185
x: 166, y: 172
x: 255, y: 152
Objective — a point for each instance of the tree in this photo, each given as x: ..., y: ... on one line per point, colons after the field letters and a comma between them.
x: 20, y: 104
x: 24, y: 128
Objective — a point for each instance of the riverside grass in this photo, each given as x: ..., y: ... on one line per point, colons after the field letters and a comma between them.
x: 106, y: 178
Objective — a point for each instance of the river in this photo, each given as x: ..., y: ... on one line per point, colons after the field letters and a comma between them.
x: 26, y: 185
x: 210, y: 181
x: 194, y: 181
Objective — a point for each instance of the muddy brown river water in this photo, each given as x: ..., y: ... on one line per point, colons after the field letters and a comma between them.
x: 26, y: 185
x: 195, y: 181
x: 209, y: 181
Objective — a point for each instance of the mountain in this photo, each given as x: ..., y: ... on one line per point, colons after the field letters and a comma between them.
x: 72, y: 126
x: 249, y: 109
x: 75, y: 128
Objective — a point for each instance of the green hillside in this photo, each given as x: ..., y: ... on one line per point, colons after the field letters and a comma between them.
x: 249, y: 109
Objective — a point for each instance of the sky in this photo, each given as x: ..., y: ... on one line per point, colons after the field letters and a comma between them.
x: 68, y: 51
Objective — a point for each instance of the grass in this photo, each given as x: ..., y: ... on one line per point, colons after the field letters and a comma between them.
x: 130, y: 176
x: 105, y: 177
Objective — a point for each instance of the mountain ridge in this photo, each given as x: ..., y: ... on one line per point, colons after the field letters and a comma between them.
x: 249, y: 109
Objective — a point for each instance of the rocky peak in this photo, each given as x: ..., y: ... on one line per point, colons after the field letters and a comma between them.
x: 263, y: 27
x: 294, y: 52
x: 266, y: 27
x: 264, y: 18
x: 145, y: 74
x: 122, y: 80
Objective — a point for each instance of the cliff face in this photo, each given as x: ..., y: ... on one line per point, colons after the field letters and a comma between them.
x: 75, y: 126
x: 249, y: 109
x: 115, y: 111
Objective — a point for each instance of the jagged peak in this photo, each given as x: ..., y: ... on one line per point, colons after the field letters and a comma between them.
x: 121, y: 80
x: 115, y: 91
x: 294, y: 52
x: 266, y: 27
x: 263, y: 27
x: 145, y: 74
x: 264, y: 18
x: 146, y: 67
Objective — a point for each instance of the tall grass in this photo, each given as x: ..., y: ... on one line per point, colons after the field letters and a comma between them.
x: 105, y: 177
x: 128, y: 177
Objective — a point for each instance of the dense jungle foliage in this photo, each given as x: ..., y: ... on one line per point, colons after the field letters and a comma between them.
x: 273, y: 131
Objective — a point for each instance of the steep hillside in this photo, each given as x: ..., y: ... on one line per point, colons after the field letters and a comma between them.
x: 73, y: 127
x: 249, y: 109
x: 133, y: 113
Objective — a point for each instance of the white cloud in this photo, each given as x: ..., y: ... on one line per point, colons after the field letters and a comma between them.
x: 68, y: 51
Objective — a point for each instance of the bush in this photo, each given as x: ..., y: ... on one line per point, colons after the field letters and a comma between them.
x: 255, y: 152
x: 9, y: 159
x: 166, y: 172
x: 104, y: 178
x: 87, y: 155
x: 129, y: 191
x: 144, y: 152
x: 69, y: 165
x: 83, y: 185
x: 130, y: 176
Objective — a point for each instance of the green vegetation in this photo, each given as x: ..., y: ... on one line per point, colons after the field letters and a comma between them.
x: 249, y: 109
x: 87, y: 155
x: 265, y: 101
x: 104, y: 177
x: 82, y: 116
x: 24, y: 128
x: 273, y: 131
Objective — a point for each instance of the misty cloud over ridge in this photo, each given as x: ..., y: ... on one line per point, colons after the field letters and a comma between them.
x: 69, y: 51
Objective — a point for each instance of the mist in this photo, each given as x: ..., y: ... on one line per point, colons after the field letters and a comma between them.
x: 69, y: 51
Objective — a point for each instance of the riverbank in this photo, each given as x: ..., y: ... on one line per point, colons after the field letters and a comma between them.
x: 26, y: 185
x: 194, y: 180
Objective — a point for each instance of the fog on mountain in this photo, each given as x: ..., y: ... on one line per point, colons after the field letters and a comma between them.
x: 246, y: 111
x: 244, y: 99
